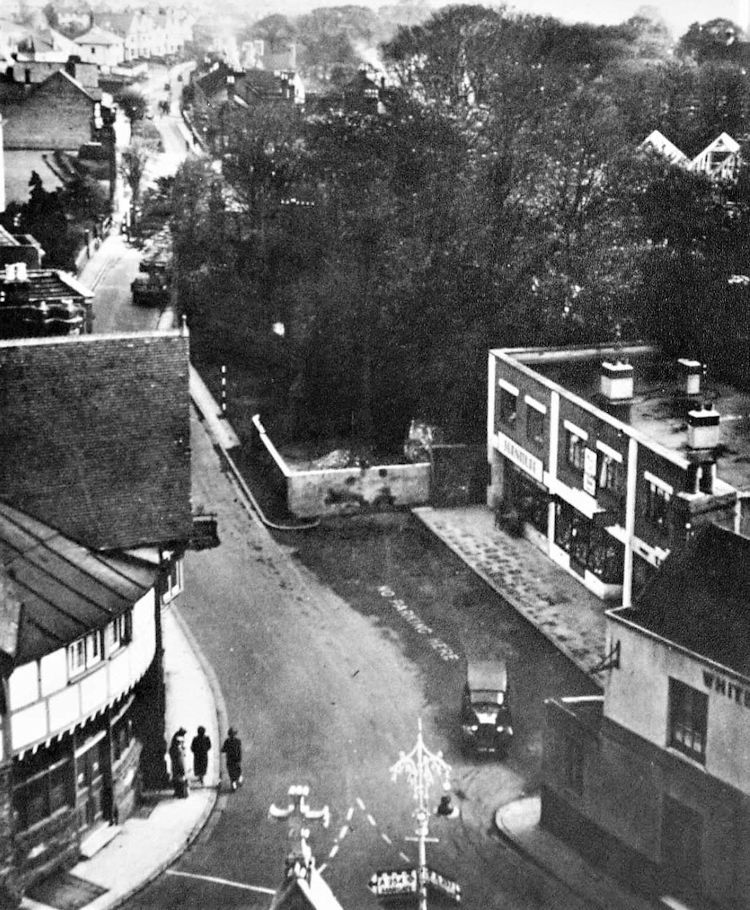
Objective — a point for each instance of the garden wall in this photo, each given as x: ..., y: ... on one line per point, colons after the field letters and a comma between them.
x: 344, y: 491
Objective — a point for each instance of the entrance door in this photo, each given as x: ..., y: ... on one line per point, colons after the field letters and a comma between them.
x: 681, y: 835
x: 89, y: 774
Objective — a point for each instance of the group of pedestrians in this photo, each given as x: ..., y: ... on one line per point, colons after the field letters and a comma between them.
x: 200, y: 747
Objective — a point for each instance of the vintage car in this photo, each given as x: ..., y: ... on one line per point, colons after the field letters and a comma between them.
x: 486, y: 723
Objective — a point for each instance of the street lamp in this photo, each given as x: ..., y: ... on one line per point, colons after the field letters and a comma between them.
x: 422, y: 768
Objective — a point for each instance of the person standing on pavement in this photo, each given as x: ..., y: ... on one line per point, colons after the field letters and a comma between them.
x: 232, y: 749
x: 178, y: 757
x: 200, y: 747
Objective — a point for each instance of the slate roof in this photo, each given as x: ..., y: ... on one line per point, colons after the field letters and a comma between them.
x: 98, y: 35
x: 95, y: 436
x: 700, y: 598
x: 52, y: 284
x: 55, y: 590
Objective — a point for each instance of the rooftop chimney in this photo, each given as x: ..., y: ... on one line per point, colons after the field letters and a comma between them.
x: 690, y: 372
x: 616, y: 381
x: 703, y: 428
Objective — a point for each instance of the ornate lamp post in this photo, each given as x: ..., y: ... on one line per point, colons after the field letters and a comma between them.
x: 422, y: 769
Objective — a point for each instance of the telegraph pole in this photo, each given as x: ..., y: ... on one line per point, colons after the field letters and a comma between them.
x: 422, y: 768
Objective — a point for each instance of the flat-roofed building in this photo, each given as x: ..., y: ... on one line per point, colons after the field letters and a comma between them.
x: 611, y: 456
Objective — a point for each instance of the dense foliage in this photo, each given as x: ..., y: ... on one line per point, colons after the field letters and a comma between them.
x: 498, y: 197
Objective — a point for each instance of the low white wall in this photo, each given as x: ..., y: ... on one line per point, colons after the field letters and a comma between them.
x: 345, y: 491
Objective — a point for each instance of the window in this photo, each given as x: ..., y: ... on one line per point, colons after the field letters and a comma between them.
x: 574, y: 450
x: 40, y: 791
x: 534, y: 424
x: 508, y: 406
x: 77, y: 657
x: 573, y: 764
x: 657, y: 505
x: 93, y: 648
x: 119, y: 632
x: 688, y: 713
x: 172, y: 580
x: 610, y: 475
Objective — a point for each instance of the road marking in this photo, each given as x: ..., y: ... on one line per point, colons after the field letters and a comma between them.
x: 386, y: 838
x: 371, y: 820
x: 360, y: 804
x: 405, y: 858
x: 222, y: 881
x: 334, y: 851
x: 343, y: 832
x: 350, y: 813
x: 442, y: 649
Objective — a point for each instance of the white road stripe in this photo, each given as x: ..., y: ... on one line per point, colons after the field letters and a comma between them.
x: 222, y: 881
x: 334, y: 851
x: 371, y: 820
x: 322, y: 868
x: 386, y: 838
x: 405, y: 858
x: 360, y: 804
x: 350, y: 813
x: 343, y: 832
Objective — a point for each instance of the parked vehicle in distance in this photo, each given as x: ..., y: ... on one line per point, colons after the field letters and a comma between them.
x: 150, y: 288
x: 486, y: 723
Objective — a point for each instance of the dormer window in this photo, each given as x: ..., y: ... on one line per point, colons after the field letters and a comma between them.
x: 119, y: 632
x: 77, y: 657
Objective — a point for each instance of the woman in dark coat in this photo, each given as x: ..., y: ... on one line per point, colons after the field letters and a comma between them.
x: 200, y: 747
x: 179, y: 763
x: 232, y: 749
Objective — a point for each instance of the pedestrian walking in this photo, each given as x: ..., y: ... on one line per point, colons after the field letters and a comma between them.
x: 200, y: 747
x: 178, y: 757
x: 232, y: 749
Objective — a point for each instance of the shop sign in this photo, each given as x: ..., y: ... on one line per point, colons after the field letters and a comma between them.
x: 519, y: 456
x: 732, y: 691
x: 589, y: 471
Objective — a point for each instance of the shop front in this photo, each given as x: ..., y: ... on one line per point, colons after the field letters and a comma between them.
x: 593, y: 554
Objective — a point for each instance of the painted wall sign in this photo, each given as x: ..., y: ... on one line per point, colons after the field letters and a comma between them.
x: 589, y: 471
x: 732, y: 691
x: 519, y: 456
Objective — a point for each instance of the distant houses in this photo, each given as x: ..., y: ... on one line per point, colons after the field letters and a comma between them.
x: 719, y: 160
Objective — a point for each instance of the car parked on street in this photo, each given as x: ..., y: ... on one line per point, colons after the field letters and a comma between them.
x: 486, y: 723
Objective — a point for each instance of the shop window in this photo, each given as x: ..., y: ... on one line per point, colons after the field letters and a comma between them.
x: 508, y: 406
x: 575, y: 448
x: 657, y: 505
x: 573, y: 764
x: 611, y: 475
x: 77, y: 657
x: 589, y: 547
x: 688, y: 714
x: 534, y: 424
x: 39, y: 795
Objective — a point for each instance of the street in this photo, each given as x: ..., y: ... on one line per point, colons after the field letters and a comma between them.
x: 319, y: 649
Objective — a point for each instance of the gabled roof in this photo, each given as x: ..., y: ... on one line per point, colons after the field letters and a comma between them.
x: 700, y: 598
x: 97, y: 35
x: 119, y: 23
x: 55, y: 590
x: 659, y: 142
x: 95, y: 436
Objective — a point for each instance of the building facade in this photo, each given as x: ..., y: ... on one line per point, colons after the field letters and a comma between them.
x: 653, y: 781
x: 94, y: 518
x: 606, y: 464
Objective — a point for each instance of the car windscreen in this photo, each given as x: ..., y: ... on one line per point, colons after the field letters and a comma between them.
x: 486, y: 701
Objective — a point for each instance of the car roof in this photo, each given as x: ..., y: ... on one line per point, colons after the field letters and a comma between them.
x: 490, y: 675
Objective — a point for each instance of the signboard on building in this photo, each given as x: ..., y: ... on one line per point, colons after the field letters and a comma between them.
x: 519, y: 456
x: 589, y: 471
